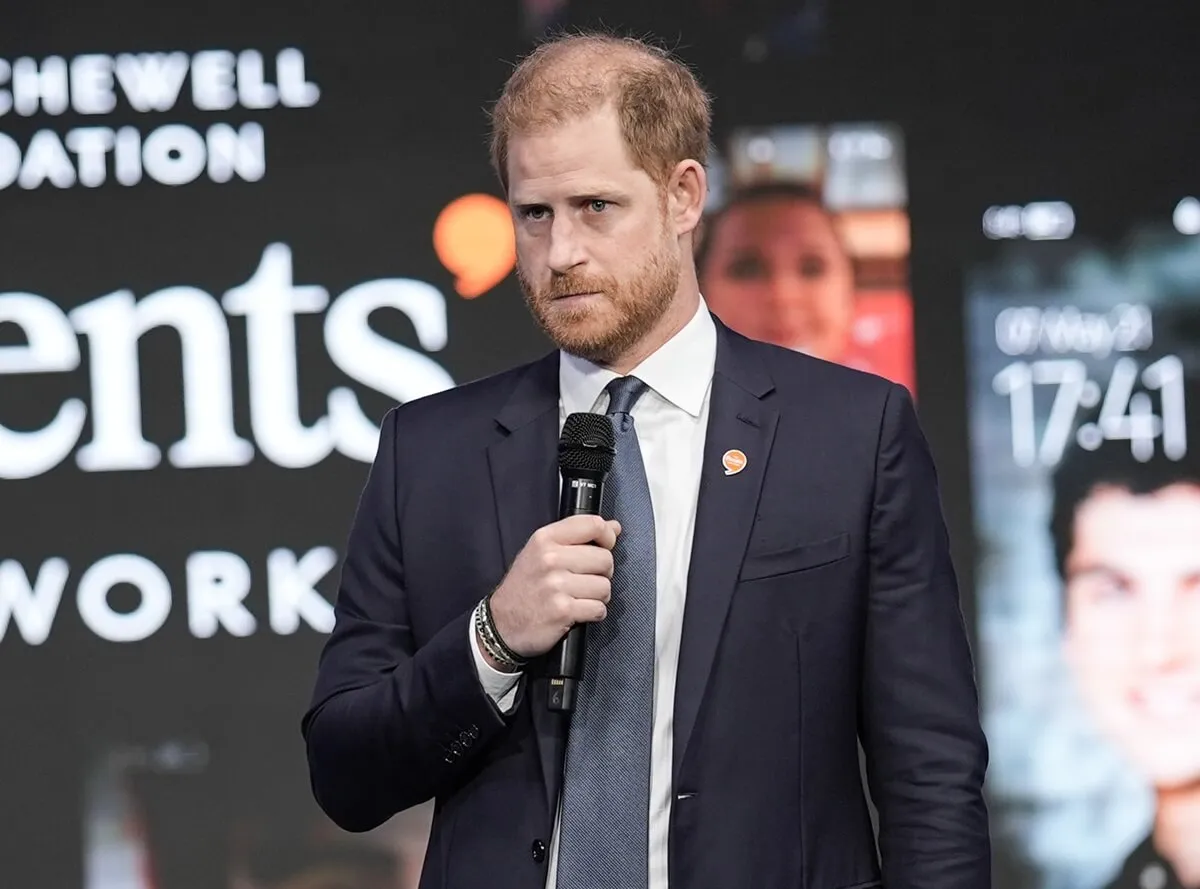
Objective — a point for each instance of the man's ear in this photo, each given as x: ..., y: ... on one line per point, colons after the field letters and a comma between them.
x: 687, y: 193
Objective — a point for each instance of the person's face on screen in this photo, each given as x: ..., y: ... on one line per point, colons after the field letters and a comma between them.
x: 1133, y: 625
x: 597, y: 257
x: 775, y: 271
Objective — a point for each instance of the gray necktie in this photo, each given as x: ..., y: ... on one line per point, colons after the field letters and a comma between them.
x: 603, y: 842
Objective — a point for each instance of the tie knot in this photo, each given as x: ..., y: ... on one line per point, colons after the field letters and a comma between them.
x: 623, y: 393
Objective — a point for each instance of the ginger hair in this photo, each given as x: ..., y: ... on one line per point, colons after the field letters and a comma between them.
x: 664, y: 112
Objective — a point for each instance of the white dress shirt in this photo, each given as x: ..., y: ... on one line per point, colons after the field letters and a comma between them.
x: 671, y: 419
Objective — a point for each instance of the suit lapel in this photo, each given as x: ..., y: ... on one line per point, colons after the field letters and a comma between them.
x: 738, y: 419
x: 524, y: 471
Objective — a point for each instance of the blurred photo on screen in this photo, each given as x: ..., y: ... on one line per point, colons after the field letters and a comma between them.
x: 174, y: 814
x: 805, y: 243
x: 1084, y: 354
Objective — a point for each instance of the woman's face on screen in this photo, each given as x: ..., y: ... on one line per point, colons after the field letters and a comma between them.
x: 775, y: 271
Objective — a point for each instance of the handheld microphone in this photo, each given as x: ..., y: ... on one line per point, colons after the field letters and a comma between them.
x: 585, y: 456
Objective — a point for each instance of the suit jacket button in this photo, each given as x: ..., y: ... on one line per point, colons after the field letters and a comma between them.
x: 539, y: 851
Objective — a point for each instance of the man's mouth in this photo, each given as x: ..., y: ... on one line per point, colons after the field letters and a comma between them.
x: 1168, y: 700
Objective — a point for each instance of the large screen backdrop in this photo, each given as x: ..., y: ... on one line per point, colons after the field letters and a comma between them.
x: 1082, y: 329
x: 230, y: 244
x: 228, y: 248
x: 232, y: 239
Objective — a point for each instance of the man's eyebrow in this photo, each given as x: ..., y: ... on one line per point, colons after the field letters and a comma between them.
x: 1092, y: 566
x: 596, y: 193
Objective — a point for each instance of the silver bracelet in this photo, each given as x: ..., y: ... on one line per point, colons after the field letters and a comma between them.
x: 492, y: 643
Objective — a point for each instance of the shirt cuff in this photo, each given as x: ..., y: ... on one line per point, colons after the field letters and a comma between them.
x: 500, y: 687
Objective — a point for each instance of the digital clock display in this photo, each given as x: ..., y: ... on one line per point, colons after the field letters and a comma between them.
x: 1148, y: 418
x: 1083, y: 409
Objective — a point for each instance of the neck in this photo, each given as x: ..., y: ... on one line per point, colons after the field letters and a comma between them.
x: 674, y: 319
x: 1176, y: 826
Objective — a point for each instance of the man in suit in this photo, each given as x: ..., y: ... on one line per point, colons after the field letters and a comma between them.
x: 770, y: 584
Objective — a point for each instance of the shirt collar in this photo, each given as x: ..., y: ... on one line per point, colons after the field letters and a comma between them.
x: 680, y: 371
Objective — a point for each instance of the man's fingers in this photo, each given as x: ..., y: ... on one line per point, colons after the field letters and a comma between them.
x: 579, y: 529
x: 585, y: 559
x: 587, y: 611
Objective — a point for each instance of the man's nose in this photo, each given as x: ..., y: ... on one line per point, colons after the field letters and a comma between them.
x: 566, y: 247
x: 1164, y: 636
x: 790, y: 301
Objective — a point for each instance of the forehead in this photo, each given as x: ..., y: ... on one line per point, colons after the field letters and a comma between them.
x: 1120, y: 528
x: 586, y: 152
x: 777, y: 219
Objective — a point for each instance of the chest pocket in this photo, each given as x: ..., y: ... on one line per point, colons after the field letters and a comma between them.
x: 776, y: 561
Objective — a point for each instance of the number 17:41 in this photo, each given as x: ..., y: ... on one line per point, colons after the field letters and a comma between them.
x: 1124, y: 414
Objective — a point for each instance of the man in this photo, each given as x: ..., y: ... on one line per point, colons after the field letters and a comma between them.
x: 1126, y: 535
x: 774, y: 557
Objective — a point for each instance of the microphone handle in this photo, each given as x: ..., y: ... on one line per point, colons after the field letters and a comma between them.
x: 581, y: 495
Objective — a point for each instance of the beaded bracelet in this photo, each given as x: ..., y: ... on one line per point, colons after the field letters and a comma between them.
x: 495, y: 646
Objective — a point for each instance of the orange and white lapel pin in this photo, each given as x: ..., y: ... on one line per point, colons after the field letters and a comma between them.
x: 734, y: 461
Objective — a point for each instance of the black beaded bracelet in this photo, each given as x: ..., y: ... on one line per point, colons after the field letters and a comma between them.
x: 488, y: 637
x: 509, y: 654
x: 487, y: 640
x: 492, y: 640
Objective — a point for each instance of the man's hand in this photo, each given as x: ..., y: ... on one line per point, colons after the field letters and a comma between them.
x: 562, y: 577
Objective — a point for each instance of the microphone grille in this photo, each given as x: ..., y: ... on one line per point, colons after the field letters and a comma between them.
x: 587, y: 443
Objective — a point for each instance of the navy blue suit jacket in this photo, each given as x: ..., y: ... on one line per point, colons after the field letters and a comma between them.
x: 822, y: 609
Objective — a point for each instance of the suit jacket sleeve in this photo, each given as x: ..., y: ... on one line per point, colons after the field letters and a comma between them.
x: 390, y: 724
x: 925, y: 749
